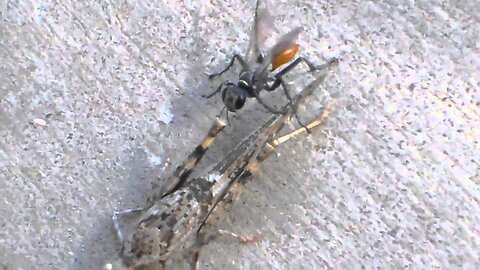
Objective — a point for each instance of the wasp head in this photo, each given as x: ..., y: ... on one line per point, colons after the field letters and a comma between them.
x: 234, y: 97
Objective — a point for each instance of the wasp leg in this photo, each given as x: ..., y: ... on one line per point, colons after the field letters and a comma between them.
x: 236, y: 56
x: 268, y: 107
x: 277, y: 82
x: 295, y: 63
x: 116, y: 222
x: 287, y: 93
x: 219, y: 88
x: 278, y: 77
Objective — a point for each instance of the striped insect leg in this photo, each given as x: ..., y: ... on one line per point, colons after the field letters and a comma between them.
x: 183, y: 171
x: 270, y: 146
x: 253, y: 166
x: 315, y: 123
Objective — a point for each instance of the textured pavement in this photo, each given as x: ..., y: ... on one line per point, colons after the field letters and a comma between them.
x: 98, y: 98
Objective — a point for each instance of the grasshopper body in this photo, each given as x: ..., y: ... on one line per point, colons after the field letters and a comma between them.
x: 170, y: 226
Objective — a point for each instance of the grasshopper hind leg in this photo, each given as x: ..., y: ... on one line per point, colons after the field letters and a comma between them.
x: 178, y: 178
x: 268, y: 149
x: 286, y: 90
x: 266, y: 106
x: 183, y: 171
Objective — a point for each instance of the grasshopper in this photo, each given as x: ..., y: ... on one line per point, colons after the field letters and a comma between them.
x: 171, y: 224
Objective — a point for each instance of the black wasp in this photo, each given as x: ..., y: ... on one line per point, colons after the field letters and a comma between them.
x: 255, y: 74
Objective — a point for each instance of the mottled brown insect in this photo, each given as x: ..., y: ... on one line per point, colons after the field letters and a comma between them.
x: 171, y: 225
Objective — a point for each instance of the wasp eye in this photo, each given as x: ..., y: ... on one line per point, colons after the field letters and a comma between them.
x: 234, y: 97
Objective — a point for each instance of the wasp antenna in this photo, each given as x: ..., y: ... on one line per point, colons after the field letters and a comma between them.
x: 228, y: 119
x: 221, y: 112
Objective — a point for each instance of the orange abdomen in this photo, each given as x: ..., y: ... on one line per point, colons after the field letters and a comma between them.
x: 284, y: 57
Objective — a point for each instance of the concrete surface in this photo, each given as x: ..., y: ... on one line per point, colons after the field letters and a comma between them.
x: 97, y: 98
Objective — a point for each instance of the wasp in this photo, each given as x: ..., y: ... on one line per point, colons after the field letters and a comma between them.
x: 171, y: 225
x: 255, y: 74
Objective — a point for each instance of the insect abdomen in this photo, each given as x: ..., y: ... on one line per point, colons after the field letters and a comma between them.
x: 284, y: 56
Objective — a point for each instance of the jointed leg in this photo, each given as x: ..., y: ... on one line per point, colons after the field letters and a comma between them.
x: 287, y: 93
x: 219, y: 88
x: 280, y: 81
x: 295, y: 63
x: 253, y: 166
x: 236, y: 56
x: 310, y: 65
x: 241, y: 239
x: 268, y: 107
x: 184, y: 170
x: 228, y: 119
x: 319, y: 120
x: 205, y: 239
x: 270, y: 147
x: 224, y: 110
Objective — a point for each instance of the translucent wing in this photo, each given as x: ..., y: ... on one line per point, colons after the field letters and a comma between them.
x: 285, y: 42
x: 263, y: 25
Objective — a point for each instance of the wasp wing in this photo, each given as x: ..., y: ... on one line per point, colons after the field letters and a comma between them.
x: 285, y: 42
x: 263, y: 25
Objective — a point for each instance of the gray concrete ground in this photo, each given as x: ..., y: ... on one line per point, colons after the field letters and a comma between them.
x: 97, y: 98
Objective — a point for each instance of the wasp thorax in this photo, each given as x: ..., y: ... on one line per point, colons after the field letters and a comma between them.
x: 234, y: 97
